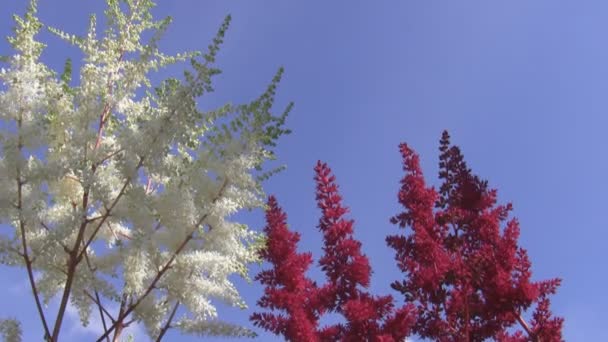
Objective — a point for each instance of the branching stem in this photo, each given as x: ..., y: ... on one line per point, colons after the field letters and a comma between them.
x: 119, y: 321
x: 167, y: 325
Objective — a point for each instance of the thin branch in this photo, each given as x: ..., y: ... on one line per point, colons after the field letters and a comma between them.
x: 116, y: 235
x: 158, y: 276
x: 14, y: 250
x: 93, y: 219
x: 118, y: 325
x: 30, y: 273
x: 73, y: 261
x: 109, y: 209
x: 148, y: 185
x: 65, y: 247
x: 112, y: 154
x: 96, y: 301
x: 59, y: 269
x: 167, y: 325
x: 158, y: 226
x: 525, y: 325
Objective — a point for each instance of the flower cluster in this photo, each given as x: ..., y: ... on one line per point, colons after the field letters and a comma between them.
x: 367, y: 317
x: 465, y: 277
x: 119, y: 192
x: 463, y: 268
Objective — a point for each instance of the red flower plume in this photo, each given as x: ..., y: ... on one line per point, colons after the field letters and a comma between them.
x: 463, y: 268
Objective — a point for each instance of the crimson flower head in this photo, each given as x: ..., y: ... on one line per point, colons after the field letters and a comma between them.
x: 301, y: 302
x: 463, y: 268
x: 368, y: 317
x: 287, y: 287
x: 465, y: 276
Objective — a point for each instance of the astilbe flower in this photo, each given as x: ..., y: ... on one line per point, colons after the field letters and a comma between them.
x: 367, y: 317
x: 287, y: 287
x: 464, y: 272
x: 119, y: 192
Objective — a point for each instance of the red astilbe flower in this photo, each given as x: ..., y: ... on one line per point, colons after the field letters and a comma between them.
x: 287, y: 287
x: 464, y: 271
x: 368, y: 317
x: 347, y: 269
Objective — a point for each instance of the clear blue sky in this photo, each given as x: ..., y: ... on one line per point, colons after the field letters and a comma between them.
x: 521, y: 85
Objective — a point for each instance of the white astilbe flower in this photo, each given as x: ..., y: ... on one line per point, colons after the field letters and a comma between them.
x: 151, y: 313
x: 213, y: 328
x: 10, y: 330
x: 136, y: 269
x: 119, y: 193
x: 81, y: 302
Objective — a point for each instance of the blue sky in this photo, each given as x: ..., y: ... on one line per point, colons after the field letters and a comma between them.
x: 520, y: 85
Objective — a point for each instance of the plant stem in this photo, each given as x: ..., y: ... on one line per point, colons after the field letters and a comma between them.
x: 167, y: 325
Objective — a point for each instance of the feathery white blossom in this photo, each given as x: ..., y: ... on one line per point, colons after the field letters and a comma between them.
x: 118, y: 199
x: 10, y: 330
